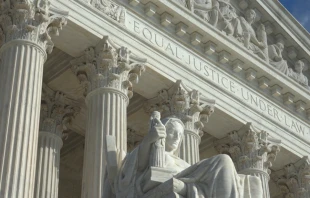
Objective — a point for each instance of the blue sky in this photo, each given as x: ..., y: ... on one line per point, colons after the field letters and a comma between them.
x: 300, y: 9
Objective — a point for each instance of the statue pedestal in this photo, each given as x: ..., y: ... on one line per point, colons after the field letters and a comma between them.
x: 155, y: 176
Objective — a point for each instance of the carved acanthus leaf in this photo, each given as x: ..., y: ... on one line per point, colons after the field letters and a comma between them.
x: 29, y: 20
x: 133, y: 139
x: 107, y: 65
x: 183, y: 103
x: 294, y: 179
x: 56, y: 113
x: 249, y: 149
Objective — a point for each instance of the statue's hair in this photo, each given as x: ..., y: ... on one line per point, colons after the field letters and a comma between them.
x: 171, y: 121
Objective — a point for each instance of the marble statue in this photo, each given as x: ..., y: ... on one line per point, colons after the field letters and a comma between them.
x: 215, y: 177
x: 228, y: 19
x: 252, y: 41
x: 208, y: 10
x: 276, y: 59
x: 297, y: 75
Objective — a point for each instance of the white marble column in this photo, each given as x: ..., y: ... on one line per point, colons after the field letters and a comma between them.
x: 185, y: 104
x: 55, y: 114
x: 107, y: 72
x: 252, y: 152
x: 189, y: 150
x: 24, y: 38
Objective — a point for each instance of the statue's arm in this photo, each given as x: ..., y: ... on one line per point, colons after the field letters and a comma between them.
x: 275, y: 53
x: 279, y: 55
x: 255, y: 40
x: 156, y: 132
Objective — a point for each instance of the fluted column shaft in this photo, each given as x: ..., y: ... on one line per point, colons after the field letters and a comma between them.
x: 48, y: 160
x: 190, y: 147
x: 264, y: 177
x: 21, y: 71
x: 56, y: 113
x: 107, y: 73
x: 107, y: 115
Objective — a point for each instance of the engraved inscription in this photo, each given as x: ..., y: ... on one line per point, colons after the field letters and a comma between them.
x: 223, y: 80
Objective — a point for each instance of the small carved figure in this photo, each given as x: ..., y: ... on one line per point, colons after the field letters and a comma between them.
x: 208, y: 10
x: 276, y: 59
x: 298, y: 75
x: 111, y: 9
x: 228, y: 19
x: 213, y: 177
x: 256, y: 43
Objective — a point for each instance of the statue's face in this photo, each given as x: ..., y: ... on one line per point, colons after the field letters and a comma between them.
x: 174, y: 136
x: 299, y: 66
x: 250, y: 15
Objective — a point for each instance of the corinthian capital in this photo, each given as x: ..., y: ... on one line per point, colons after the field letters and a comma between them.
x: 133, y: 139
x: 56, y: 113
x: 294, y: 179
x: 183, y: 103
x: 249, y: 149
x: 29, y: 20
x: 107, y: 65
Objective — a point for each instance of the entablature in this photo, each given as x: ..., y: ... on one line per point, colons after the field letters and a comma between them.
x: 274, y: 78
x: 222, y: 79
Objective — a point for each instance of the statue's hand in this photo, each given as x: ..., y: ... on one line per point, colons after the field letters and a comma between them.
x: 157, y: 131
x: 179, y: 187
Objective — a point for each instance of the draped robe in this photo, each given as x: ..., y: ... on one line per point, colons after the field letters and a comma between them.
x: 215, y: 177
x: 276, y: 59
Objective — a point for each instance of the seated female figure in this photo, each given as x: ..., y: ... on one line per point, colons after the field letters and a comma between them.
x: 298, y: 76
x: 215, y: 177
x: 276, y: 59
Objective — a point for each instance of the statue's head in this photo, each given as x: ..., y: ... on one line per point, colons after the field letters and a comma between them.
x: 281, y: 46
x: 250, y: 15
x: 175, y: 133
x: 299, y: 66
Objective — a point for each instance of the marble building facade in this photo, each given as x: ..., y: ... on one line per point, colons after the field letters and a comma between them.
x: 85, y: 82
